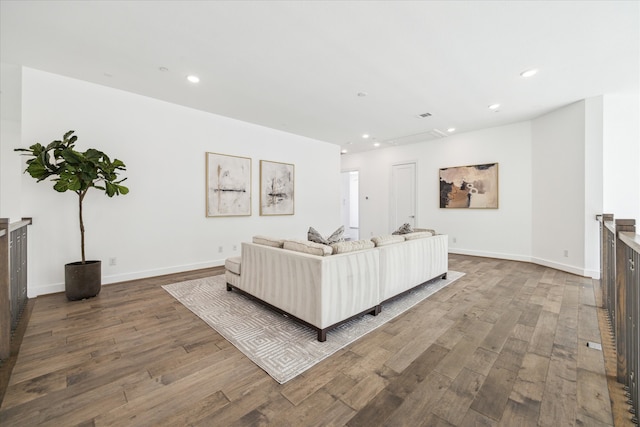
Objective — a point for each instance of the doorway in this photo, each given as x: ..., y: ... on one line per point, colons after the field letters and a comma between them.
x: 349, y: 206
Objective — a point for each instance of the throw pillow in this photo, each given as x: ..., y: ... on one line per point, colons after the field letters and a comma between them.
x: 336, y: 236
x: 314, y: 236
x: 404, y: 229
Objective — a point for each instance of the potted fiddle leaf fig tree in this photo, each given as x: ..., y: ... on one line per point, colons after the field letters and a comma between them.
x: 76, y: 171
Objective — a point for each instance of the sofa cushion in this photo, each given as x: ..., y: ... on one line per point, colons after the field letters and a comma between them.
x: 388, y: 239
x: 232, y: 264
x: 308, y: 247
x: 418, y: 235
x: 351, y: 246
x: 268, y: 241
x: 404, y: 229
x: 314, y: 236
x: 432, y: 231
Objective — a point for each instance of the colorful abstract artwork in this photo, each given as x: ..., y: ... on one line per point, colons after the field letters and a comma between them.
x: 276, y: 188
x: 470, y: 187
x: 228, y: 185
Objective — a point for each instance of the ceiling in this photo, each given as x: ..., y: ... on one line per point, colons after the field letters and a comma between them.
x: 300, y: 66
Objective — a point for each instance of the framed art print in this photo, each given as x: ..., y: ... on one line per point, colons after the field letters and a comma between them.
x: 277, y: 182
x: 470, y: 187
x: 228, y: 185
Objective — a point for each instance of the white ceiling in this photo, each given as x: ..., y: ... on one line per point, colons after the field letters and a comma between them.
x: 298, y: 66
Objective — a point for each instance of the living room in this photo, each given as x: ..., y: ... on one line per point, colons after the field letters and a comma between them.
x: 163, y: 224
x: 558, y: 170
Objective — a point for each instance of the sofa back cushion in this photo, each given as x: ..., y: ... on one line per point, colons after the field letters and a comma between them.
x: 268, y: 241
x: 351, y: 246
x: 387, y: 240
x: 417, y: 235
x: 307, y: 247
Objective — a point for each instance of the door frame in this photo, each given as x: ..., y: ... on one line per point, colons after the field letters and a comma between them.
x: 359, y: 210
x: 392, y: 199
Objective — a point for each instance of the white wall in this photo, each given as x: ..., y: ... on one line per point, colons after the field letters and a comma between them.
x: 558, y: 187
x: 621, y: 155
x: 504, y: 232
x: 557, y: 173
x: 10, y: 116
x: 160, y: 227
x: 593, y: 183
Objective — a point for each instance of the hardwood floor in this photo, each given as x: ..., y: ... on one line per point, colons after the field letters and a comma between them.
x: 503, y: 346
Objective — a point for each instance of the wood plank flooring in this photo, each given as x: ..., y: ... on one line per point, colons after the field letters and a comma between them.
x: 503, y: 346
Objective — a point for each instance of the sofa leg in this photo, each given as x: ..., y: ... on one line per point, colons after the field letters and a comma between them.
x: 444, y: 276
x: 229, y: 287
x: 376, y: 310
x: 322, y: 335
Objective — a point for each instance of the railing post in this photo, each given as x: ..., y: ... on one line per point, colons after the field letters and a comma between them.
x: 605, y: 266
x: 622, y: 225
x: 5, y: 297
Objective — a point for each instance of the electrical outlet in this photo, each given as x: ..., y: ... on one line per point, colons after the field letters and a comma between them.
x: 235, y: 248
x: 219, y: 249
x: 566, y: 253
x: 113, y: 261
x: 455, y: 240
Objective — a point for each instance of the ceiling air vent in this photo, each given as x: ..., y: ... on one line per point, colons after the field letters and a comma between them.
x: 424, y: 115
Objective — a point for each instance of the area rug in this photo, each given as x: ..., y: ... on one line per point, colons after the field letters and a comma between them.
x: 281, y: 346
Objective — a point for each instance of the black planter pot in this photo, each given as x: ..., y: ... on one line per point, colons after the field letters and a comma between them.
x: 82, y: 280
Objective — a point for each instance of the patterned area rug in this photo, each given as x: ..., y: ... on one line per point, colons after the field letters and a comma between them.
x: 283, y: 347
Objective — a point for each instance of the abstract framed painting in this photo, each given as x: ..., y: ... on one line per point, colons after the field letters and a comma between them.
x: 469, y: 187
x: 277, y: 183
x: 228, y: 185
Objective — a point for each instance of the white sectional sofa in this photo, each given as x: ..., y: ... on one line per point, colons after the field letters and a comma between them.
x: 323, y: 291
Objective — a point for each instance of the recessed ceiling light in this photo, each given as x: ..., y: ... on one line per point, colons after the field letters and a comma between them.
x: 361, y: 94
x: 344, y: 151
x: 377, y: 144
x: 163, y: 69
x: 494, y: 106
x: 451, y: 130
x: 193, y: 79
x: 529, y: 73
x: 365, y: 136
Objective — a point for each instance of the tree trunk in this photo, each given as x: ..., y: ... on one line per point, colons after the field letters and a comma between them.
x: 81, y: 195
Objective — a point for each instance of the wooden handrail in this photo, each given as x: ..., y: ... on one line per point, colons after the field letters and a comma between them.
x: 631, y: 239
x: 6, y: 228
x: 19, y: 224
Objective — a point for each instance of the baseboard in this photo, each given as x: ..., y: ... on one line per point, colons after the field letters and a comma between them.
x: 540, y: 261
x: 117, y: 278
x: 496, y: 255
x: 568, y: 268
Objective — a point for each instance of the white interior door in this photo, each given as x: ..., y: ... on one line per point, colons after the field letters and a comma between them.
x: 403, y: 195
x: 349, y: 204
